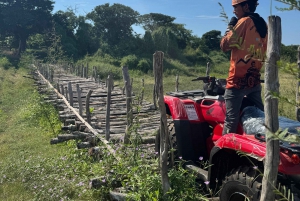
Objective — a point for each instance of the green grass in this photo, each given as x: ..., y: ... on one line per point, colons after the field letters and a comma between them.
x: 31, y: 168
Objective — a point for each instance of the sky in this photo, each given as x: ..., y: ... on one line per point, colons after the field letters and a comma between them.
x: 199, y: 16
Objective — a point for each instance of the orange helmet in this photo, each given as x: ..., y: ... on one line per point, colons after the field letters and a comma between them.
x: 235, y: 2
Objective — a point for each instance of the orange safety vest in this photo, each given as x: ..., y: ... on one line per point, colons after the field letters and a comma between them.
x: 248, y: 52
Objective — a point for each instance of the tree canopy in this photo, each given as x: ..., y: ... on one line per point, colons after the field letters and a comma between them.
x: 22, y: 18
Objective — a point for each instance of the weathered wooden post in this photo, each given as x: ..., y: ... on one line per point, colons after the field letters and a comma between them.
x: 207, y: 69
x: 82, y: 71
x: 79, y: 99
x: 87, y: 71
x: 57, y: 87
x: 62, y: 90
x: 70, y: 90
x: 143, y: 91
x: 66, y: 92
x: 154, y: 97
x: 271, y: 109
x: 158, y: 77
x: 177, y: 83
x: 87, y: 106
x: 108, y: 100
x: 298, y: 85
x: 129, y: 113
x: 99, y: 81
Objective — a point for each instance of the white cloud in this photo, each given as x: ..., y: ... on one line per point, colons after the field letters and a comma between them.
x: 207, y: 17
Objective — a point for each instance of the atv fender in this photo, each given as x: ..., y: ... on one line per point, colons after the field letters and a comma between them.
x: 175, y: 107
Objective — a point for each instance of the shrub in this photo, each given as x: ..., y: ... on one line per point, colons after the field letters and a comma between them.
x: 4, y: 62
x: 131, y: 61
x: 144, y: 65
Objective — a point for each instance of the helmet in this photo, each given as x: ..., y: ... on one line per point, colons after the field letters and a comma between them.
x: 235, y: 2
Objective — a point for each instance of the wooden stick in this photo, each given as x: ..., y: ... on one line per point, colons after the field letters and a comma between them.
x: 128, y: 88
x: 108, y: 100
x: 271, y: 109
x: 70, y: 90
x: 164, y: 138
x: 79, y: 99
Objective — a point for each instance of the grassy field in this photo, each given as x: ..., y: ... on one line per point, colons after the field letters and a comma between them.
x: 31, y: 168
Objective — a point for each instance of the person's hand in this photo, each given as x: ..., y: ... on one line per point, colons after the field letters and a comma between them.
x: 231, y: 24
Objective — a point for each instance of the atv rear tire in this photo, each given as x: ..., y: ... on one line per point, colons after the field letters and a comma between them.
x: 243, y: 183
x: 172, y: 144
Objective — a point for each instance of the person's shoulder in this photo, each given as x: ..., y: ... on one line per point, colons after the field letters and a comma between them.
x: 246, y: 19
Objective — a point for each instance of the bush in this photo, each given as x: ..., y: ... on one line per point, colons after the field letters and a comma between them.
x: 131, y: 61
x: 4, y: 62
x: 144, y: 65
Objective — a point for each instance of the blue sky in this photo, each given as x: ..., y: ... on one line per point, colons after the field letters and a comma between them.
x: 199, y: 16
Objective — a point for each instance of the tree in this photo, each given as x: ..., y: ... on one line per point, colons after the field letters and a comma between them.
x: 211, y: 40
x: 294, y: 4
x: 22, y: 18
x: 113, y: 24
x: 153, y: 21
x: 87, y: 42
x: 66, y: 23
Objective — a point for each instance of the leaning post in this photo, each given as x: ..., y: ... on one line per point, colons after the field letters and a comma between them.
x: 271, y: 109
x: 158, y: 58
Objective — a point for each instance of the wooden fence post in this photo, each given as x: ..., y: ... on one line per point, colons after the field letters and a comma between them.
x: 298, y: 85
x: 87, y: 106
x: 128, y: 88
x: 70, y: 90
x: 143, y: 91
x: 62, y: 90
x: 207, y: 69
x: 87, y: 71
x: 108, y: 100
x: 66, y: 92
x: 79, y: 99
x: 271, y: 109
x: 177, y: 83
x: 164, y: 138
x: 154, y: 97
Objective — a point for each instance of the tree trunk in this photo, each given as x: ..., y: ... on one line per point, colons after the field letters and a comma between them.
x: 22, y: 44
x: 271, y: 109
x: 164, y: 138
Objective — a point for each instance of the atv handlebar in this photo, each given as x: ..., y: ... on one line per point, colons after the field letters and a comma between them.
x: 205, y: 79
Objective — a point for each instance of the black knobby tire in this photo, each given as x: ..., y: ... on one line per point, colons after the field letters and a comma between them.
x: 243, y: 183
x: 172, y: 144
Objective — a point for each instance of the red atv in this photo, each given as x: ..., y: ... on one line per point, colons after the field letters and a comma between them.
x: 196, y: 134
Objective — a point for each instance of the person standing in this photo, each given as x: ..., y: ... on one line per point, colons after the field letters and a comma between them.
x: 246, y: 38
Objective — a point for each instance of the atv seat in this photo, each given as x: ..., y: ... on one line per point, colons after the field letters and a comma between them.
x: 253, y: 120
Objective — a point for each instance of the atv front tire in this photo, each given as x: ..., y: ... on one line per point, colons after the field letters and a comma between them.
x: 243, y: 183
